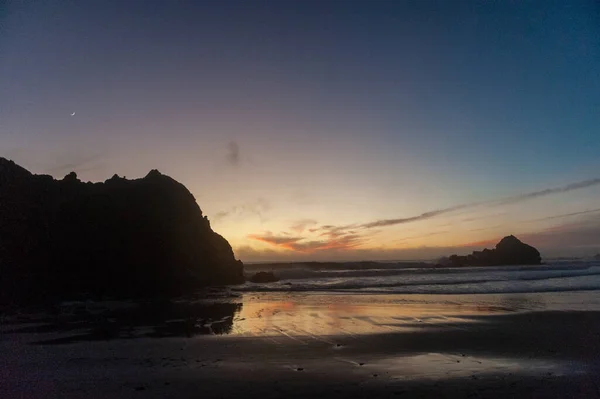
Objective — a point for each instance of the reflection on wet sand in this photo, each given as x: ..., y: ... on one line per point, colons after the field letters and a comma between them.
x: 316, y: 314
x: 447, y: 365
x: 454, y: 346
x: 287, y: 315
x: 106, y: 321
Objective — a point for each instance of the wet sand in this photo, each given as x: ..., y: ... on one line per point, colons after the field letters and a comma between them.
x: 291, y: 345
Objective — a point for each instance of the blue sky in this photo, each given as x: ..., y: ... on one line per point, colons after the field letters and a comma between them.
x: 339, y: 113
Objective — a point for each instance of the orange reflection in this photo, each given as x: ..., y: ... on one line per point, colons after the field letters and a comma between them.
x: 316, y: 314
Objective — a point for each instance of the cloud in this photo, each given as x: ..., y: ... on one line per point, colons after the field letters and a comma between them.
x: 346, y: 242
x: 492, y: 203
x: 304, y: 244
x: 302, y: 225
x: 548, y: 191
x: 424, y: 253
x: 336, y: 231
x: 411, y: 219
x: 570, y: 239
x: 221, y: 215
x: 233, y: 154
x: 257, y: 208
x: 248, y: 254
x: 564, y: 215
x: 580, y: 238
x: 472, y: 219
x: 282, y: 241
x: 339, y: 243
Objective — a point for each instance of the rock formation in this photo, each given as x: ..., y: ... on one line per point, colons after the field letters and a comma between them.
x: 124, y: 238
x: 509, y: 251
x: 264, y: 277
x: 597, y: 257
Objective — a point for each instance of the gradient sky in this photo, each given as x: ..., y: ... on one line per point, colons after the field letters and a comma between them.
x: 323, y: 130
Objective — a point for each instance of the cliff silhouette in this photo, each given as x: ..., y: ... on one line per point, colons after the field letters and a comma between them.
x: 509, y: 251
x: 121, y: 238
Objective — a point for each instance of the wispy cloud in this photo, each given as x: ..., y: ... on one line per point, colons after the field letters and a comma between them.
x: 233, y: 154
x: 301, y: 225
x: 355, y: 253
x: 548, y: 191
x: 336, y: 231
x: 305, y: 244
x: 417, y: 218
x: 580, y: 238
x: 348, y: 241
x: 566, y: 215
x: 283, y: 241
x: 256, y: 208
x: 491, y: 203
x: 339, y: 243
x: 249, y: 254
x: 572, y: 239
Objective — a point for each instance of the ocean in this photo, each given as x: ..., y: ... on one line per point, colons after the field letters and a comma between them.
x: 413, y: 278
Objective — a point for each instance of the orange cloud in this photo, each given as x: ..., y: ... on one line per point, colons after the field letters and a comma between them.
x: 580, y: 238
x: 282, y: 241
x: 349, y: 241
x: 358, y: 253
x: 335, y: 240
x: 302, y: 225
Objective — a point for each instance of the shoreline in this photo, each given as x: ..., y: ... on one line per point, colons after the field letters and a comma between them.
x: 329, y: 345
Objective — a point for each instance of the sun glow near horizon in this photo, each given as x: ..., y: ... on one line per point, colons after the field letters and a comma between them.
x: 389, y: 130
x: 427, y: 235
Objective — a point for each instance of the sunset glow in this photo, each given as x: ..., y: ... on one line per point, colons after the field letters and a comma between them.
x: 351, y: 134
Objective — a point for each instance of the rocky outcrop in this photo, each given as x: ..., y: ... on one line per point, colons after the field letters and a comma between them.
x: 264, y: 277
x: 597, y: 257
x: 131, y: 238
x: 509, y: 251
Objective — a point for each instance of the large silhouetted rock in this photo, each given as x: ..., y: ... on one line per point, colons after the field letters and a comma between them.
x: 597, y: 257
x: 264, y: 277
x: 509, y: 251
x: 144, y: 237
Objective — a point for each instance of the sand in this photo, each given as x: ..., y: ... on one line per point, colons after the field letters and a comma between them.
x: 307, y: 345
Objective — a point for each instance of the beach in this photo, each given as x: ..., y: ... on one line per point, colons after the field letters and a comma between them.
x: 307, y: 344
x: 299, y: 199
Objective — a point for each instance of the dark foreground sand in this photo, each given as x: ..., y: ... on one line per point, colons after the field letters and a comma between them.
x: 272, y: 352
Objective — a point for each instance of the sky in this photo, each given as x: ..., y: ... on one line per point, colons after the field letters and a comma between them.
x: 323, y: 130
